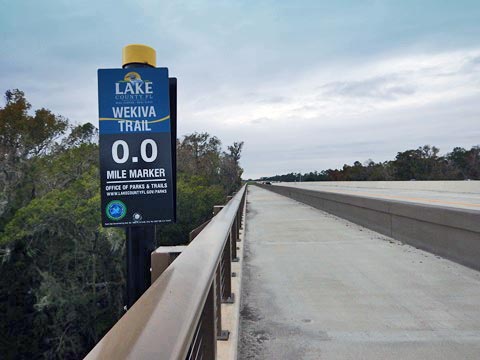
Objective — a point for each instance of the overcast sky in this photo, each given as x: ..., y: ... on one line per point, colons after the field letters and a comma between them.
x: 307, y: 85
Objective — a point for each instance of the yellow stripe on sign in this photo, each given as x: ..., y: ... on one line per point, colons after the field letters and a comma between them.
x: 150, y: 122
x: 159, y: 120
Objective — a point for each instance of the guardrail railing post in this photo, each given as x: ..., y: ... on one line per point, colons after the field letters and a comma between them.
x: 217, y: 208
x: 233, y: 246
x: 240, y: 214
x: 227, y: 296
x: 238, y: 222
x: 161, y: 259
x: 221, y: 334
x: 209, y: 338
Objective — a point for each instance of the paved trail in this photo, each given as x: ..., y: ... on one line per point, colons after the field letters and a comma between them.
x: 318, y: 287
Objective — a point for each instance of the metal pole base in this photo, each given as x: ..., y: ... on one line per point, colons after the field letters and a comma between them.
x: 229, y: 300
x: 224, y: 335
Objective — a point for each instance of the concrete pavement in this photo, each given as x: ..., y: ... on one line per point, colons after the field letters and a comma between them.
x: 319, y: 287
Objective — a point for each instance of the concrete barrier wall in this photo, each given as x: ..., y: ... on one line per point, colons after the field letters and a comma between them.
x: 443, y: 186
x: 449, y: 232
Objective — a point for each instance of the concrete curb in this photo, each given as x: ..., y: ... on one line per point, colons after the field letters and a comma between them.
x: 228, y: 350
x: 449, y: 232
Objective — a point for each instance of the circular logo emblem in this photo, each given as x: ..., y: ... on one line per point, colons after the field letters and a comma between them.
x: 132, y: 76
x: 116, y: 210
x: 137, y: 217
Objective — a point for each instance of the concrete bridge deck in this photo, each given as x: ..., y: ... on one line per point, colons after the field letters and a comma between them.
x: 319, y: 287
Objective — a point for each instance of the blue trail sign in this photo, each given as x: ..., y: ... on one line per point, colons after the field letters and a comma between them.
x: 135, y: 147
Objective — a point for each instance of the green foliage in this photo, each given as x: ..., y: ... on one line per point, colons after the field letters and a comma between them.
x: 195, y: 201
x: 199, y: 154
x: 423, y: 163
x: 465, y: 163
x: 76, y: 266
x: 22, y: 137
x: 63, y: 275
x: 205, y: 176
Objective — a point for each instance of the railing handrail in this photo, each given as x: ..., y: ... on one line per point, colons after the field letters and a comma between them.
x: 162, y: 323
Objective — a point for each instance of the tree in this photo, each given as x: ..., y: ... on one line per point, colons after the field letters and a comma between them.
x: 199, y: 154
x: 22, y: 137
x: 465, y: 164
x: 423, y: 163
x: 62, y: 276
x: 230, y: 170
x: 205, y: 176
x: 74, y: 267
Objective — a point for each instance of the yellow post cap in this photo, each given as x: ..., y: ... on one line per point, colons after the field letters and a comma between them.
x: 138, y: 53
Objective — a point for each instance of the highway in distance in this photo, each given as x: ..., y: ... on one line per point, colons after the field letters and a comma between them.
x: 459, y: 194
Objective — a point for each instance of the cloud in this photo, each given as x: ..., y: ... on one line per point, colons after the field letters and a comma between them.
x: 319, y: 123
x: 307, y: 85
x: 388, y: 88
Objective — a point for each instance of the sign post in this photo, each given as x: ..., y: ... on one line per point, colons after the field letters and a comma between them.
x: 137, y: 117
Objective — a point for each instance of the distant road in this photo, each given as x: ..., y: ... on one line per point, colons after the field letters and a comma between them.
x: 459, y: 194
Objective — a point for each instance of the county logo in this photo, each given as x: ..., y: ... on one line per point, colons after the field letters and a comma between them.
x: 116, y: 210
x: 133, y: 77
x: 133, y: 84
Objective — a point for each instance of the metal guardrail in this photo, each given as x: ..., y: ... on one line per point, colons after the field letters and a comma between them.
x: 179, y: 316
x: 194, y: 233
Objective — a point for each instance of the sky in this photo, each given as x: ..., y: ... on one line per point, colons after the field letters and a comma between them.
x: 307, y: 85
